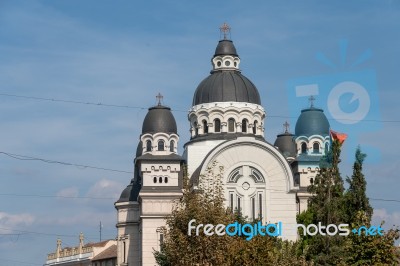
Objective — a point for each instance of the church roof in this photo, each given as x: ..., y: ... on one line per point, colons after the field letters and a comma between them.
x: 286, y: 144
x: 226, y: 86
x: 312, y: 121
x: 225, y: 47
x: 159, y: 119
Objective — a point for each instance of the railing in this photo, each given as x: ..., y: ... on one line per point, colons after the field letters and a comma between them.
x: 69, y: 252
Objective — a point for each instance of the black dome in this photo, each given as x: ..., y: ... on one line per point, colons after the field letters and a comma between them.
x: 226, y: 86
x: 286, y: 144
x: 159, y: 119
x: 225, y: 47
x: 312, y: 121
x: 130, y: 193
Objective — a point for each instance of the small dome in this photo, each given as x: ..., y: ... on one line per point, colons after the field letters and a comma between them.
x: 312, y: 121
x: 286, y: 144
x: 226, y: 86
x: 159, y: 119
x: 130, y: 193
x: 225, y: 47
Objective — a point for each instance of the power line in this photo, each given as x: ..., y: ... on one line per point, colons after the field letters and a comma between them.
x: 177, y: 110
x: 29, y: 158
x: 53, y: 196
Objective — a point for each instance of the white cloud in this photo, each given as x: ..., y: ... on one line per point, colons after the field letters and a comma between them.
x: 68, y: 192
x: 391, y: 218
x: 14, y: 221
x: 105, y: 189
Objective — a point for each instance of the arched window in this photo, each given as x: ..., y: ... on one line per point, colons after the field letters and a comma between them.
x: 166, y: 179
x: 172, y: 146
x: 217, y: 125
x: 161, y: 145
x: 196, y: 129
x: 255, y: 127
x: 160, y: 179
x: 231, y: 125
x: 303, y: 147
x: 316, y: 147
x: 148, y: 145
x: 205, y: 126
x: 155, y: 179
x: 244, y: 125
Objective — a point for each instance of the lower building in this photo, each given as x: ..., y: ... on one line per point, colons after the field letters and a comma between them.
x: 102, y: 253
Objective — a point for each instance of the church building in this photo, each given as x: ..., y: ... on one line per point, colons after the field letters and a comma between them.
x: 226, y: 121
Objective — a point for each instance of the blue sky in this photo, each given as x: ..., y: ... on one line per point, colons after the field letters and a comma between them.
x: 124, y: 53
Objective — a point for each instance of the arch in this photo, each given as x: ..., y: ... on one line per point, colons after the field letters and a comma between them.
x: 231, y: 125
x: 161, y: 145
x: 316, y: 147
x: 205, y: 126
x: 172, y: 146
x: 196, y: 129
x: 303, y: 147
x: 148, y: 145
x: 244, y: 125
x: 255, y: 127
x: 217, y: 125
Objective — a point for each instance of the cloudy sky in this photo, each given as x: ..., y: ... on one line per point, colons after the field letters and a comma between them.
x: 122, y: 53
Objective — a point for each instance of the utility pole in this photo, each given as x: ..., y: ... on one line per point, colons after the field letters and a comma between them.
x: 100, y: 230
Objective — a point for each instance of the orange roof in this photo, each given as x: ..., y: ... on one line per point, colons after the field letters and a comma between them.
x: 110, y: 252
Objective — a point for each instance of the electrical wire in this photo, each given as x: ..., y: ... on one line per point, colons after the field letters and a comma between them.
x: 29, y: 158
x: 177, y: 110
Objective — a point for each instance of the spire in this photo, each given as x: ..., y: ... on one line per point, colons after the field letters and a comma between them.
x: 286, y: 126
x: 81, y: 243
x: 225, y: 30
x: 311, y: 99
x: 159, y: 98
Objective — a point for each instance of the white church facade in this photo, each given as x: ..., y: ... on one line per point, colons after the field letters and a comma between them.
x: 226, y: 121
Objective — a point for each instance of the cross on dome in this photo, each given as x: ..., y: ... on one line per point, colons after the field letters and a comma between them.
x: 286, y: 127
x: 225, y: 30
x: 159, y: 98
x: 311, y: 99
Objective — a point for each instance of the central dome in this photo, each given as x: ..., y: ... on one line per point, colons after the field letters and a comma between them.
x: 226, y: 86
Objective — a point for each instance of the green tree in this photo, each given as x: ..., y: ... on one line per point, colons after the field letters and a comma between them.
x: 206, y: 206
x: 355, y: 197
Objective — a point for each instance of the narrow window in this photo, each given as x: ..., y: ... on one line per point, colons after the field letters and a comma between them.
x: 205, y: 127
x: 326, y: 148
x: 161, y: 145
x: 260, y: 206
x: 166, y: 179
x: 238, y: 205
x: 217, y: 125
x: 244, y: 125
x: 316, y: 147
x: 303, y: 147
x: 155, y: 179
x: 124, y: 251
x: 172, y: 146
x: 161, y: 241
x: 160, y: 179
x: 196, y: 129
x: 231, y: 125
x: 253, y: 208
x: 255, y: 127
x: 148, y: 145
x: 231, y: 201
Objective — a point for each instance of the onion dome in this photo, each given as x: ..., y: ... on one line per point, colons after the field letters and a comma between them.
x: 285, y: 143
x: 226, y: 83
x: 159, y: 119
x: 131, y: 192
x: 312, y: 121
